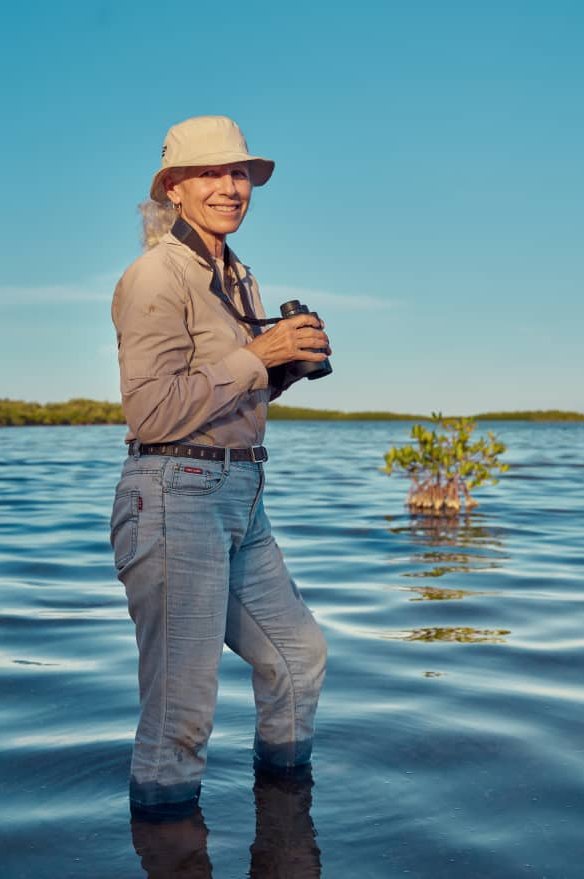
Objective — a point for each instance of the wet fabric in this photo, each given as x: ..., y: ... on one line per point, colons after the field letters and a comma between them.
x: 194, y: 549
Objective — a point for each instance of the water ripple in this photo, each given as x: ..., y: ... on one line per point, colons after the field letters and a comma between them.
x: 450, y: 729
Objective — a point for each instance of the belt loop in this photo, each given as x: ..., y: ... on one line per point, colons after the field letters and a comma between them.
x: 227, y: 461
x: 136, y: 450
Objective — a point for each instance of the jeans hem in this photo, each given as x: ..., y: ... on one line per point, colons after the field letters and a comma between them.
x: 163, y: 811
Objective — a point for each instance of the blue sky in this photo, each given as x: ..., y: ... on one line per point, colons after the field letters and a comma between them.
x: 428, y: 196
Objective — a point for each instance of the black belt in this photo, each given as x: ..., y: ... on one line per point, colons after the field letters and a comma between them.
x: 255, y: 454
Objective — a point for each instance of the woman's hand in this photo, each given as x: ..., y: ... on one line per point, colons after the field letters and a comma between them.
x: 291, y: 339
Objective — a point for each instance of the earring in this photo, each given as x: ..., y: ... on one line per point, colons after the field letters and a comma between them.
x: 177, y: 206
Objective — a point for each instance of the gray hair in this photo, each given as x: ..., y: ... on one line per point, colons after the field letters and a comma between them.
x: 157, y: 220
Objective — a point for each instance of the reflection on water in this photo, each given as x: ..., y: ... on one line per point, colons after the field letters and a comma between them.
x: 452, y: 530
x: 457, y: 558
x: 284, y: 846
x: 462, y: 534
x: 173, y: 849
x: 451, y: 563
x: 434, y: 593
x: 461, y: 634
x: 440, y: 571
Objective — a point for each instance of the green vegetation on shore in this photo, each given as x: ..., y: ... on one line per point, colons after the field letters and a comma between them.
x: 292, y: 413
x: 531, y: 415
x: 18, y: 413
x: 297, y: 413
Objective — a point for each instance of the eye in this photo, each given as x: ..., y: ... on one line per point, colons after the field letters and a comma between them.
x: 240, y: 174
x: 210, y: 172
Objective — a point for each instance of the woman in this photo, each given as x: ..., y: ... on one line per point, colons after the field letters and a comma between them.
x: 191, y: 540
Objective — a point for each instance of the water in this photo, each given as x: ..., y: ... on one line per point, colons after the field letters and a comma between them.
x: 450, y: 734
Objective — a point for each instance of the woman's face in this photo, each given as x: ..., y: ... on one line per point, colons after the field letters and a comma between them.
x: 214, y: 199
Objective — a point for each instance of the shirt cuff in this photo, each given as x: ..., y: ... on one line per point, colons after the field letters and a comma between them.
x: 248, y: 371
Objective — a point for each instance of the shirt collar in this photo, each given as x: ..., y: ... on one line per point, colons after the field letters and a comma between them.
x: 184, y: 232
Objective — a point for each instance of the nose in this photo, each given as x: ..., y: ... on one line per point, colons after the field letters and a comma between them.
x: 228, y: 184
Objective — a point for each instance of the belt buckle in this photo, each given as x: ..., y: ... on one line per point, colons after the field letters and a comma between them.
x: 263, y: 455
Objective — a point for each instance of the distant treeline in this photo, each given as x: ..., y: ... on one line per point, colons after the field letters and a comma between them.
x: 297, y: 413
x: 17, y: 413
x: 292, y: 413
x: 531, y: 415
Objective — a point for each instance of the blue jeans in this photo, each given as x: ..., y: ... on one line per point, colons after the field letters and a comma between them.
x: 194, y: 549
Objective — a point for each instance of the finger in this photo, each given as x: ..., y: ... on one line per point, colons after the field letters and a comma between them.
x: 314, y: 356
x: 307, y: 333
x: 318, y: 348
x: 304, y: 320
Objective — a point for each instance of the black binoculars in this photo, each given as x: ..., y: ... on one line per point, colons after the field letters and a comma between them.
x: 286, y: 374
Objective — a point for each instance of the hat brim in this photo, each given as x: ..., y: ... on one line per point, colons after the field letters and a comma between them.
x: 260, y: 170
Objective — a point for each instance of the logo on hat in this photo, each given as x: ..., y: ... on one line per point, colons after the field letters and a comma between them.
x: 164, y: 148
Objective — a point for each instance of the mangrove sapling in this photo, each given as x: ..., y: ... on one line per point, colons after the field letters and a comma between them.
x: 445, y: 467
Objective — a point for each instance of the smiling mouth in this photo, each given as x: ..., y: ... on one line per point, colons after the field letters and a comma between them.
x: 226, y: 208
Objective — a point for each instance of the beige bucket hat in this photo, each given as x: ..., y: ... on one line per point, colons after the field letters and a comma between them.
x: 207, y: 140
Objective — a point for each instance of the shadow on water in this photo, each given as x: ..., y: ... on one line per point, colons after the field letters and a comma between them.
x: 284, y: 845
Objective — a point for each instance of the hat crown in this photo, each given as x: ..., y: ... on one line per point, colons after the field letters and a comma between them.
x: 200, y: 136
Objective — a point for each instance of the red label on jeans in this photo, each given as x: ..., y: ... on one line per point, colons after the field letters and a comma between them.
x: 140, y: 503
x: 192, y: 469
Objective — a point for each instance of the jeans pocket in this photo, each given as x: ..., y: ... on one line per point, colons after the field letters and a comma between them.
x: 198, y: 479
x: 124, y: 526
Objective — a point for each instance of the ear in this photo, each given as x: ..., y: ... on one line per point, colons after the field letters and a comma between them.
x: 169, y: 181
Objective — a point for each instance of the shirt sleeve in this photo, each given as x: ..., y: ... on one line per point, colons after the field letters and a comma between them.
x: 275, y: 389
x: 161, y: 401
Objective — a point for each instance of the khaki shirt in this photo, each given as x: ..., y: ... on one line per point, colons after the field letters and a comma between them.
x: 186, y: 374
